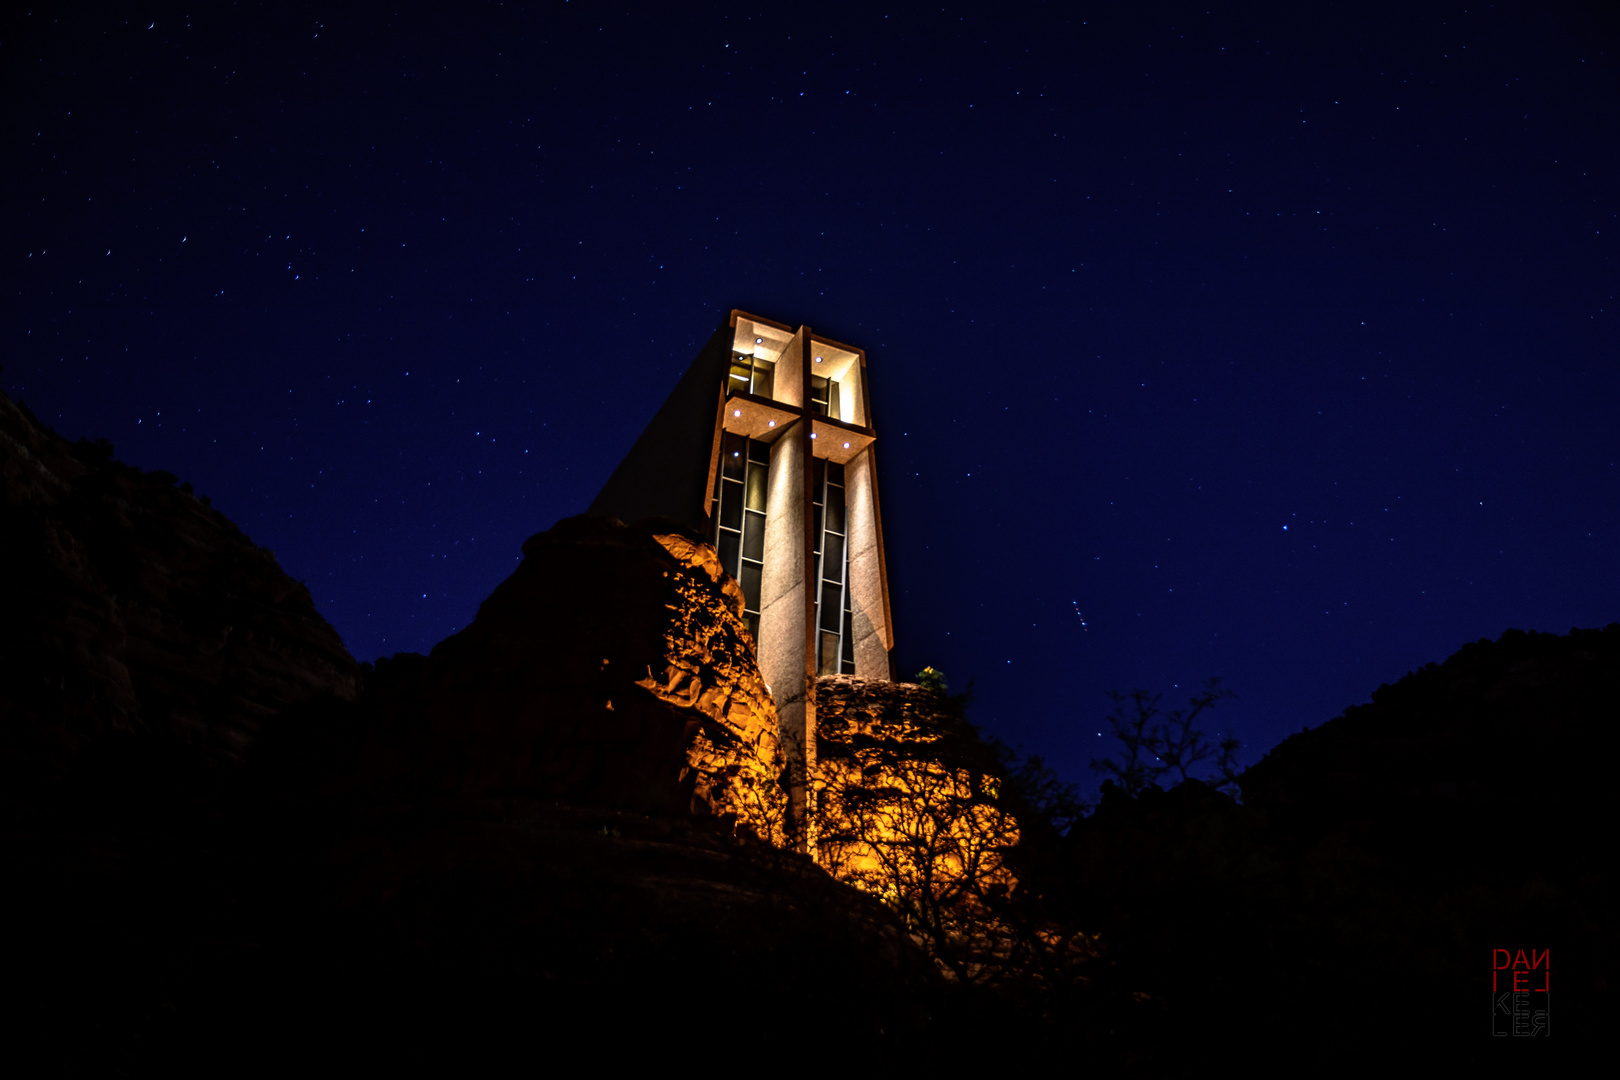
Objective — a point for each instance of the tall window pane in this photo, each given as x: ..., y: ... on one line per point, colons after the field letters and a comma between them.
x: 750, y: 585
x: 833, y: 549
x: 756, y: 487
x: 731, y: 456
x: 754, y: 536
x: 835, y: 509
x: 831, y: 617
x: 731, y: 504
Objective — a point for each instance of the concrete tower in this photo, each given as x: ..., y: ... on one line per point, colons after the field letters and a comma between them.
x: 766, y: 446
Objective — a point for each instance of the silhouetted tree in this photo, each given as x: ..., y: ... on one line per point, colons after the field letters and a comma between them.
x: 929, y: 840
x: 1156, y: 744
x: 1041, y: 796
x: 930, y: 827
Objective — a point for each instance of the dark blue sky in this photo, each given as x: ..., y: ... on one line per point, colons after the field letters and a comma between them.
x: 1280, y: 343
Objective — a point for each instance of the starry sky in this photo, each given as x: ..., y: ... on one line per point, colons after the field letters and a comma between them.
x: 1275, y: 343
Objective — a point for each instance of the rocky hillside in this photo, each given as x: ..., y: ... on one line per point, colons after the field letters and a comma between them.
x: 612, y: 668
x: 1501, y: 744
x: 1350, y: 903
x: 133, y: 609
x: 225, y: 841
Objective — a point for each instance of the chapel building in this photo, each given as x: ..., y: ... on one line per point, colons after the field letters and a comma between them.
x: 767, y: 447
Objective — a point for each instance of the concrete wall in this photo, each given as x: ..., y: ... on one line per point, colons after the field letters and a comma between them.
x: 786, y: 612
x: 668, y: 472
x: 868, y: 576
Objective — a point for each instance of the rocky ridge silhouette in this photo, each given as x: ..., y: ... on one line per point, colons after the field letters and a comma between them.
x: 229, y: 838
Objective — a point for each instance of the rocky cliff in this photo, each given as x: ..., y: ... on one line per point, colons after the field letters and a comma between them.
x: 227, y: 841
x: 133, y: 609
x: 612, y: 668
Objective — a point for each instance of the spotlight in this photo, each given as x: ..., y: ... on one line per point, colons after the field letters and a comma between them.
x: 846, y: 446
x: 736, y: 412
x: 771, y: 423
x: 759, y: 341
x: 818, y: 359
x: 812, y: 434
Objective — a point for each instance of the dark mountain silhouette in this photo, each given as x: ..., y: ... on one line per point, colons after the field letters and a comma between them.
x: 1346, y: 909
x: 133, y: 609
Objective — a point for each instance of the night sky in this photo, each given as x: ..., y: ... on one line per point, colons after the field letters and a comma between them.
x: 1273, y: 344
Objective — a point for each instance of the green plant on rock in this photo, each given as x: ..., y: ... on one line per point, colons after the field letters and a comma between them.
x: 932, y: 679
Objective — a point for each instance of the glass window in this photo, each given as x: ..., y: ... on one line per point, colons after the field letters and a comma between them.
x: 741, y: 371
x: 829, y: 655
x: 832, y: 402
x: 750, y: 585
x: 755, y: 499
x: 831, y: 617
x: 764, y: 377
x: 731, y: 504
x: 729, y: 542
x: 754, y: 536
x: 818, y: 395
x: 834, y: 644
x: 833, y: 563
x: 835, y: 509
x: 731, y: 456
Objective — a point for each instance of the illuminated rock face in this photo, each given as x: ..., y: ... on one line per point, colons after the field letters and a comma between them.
x: 612, y: 668
x: 734, y: 761
x: 906, y: 806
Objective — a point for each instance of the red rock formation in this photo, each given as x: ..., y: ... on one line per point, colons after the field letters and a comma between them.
x: 130, y: 607
x: 219, y: 849
x: 611, y: 668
